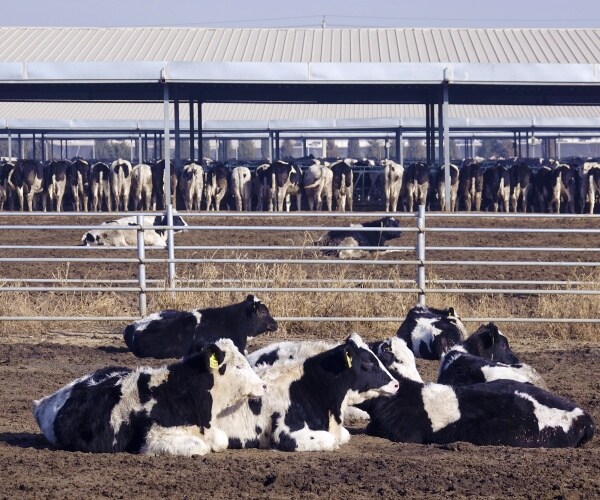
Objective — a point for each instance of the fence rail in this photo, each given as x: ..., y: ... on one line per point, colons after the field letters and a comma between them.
x: 582, y: 257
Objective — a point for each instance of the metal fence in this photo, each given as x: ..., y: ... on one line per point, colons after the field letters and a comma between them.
x: 455, y: 245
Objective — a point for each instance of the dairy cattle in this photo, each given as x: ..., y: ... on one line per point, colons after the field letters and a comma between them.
x: 502, y: 412
x: 141, y: 186
x: 25, y: 181
x: 485, y: 356
x: 78, y: 180
x: 241, y: 188
x: 191, y: 185
x: 415, y: 185
x: 216, y: 186
x: 521, y: 181
x: 158, y: 184
x: 392, y: 182
x: 286, y: 180
x: 120, y: 183
x: 441, y: 187
x: 318, y: 185
x: 563, y: 189
x: 5, y: 169
x: 100, y: 186
x: 355, y: 237
x: 496, y: 188
x: 56, y: 173
x: 304, y: 407
x: 261, y: 187
x: 107, y: 235
x: 169, y: 410
x: 543, y: 188
x: 470, y: 184
x: 589, y: 182
x: 343, y: 184
x: 172, y: 333
x: 430, y: 332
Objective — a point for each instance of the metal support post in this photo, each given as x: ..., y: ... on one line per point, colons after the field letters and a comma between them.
x: 192, y: 133
x: 446, y: 137
x: 167, y: 184
x: 421, y: 255
x: 141, y: 265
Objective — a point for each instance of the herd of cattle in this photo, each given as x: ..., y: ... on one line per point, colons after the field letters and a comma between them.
x: 296, y: 396
x: 515, y: 184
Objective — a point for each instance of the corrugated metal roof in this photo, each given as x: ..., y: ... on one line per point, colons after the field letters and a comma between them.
x: 381, y: 45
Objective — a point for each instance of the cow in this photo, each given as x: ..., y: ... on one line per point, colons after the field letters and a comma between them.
x: 261, y: 186
x: 141, y: 186
x: 191, y: 185
x: 343, y: 184
x: 392, y: 181
x: 501, y: 413
x: 106, y: 235
x: 415, y: 185
x: 496, y: 188
x: 78, y: 180
x: 56, y: 173
x: 521, y: 181
x: 169, y: 410
x: 483, y: 357
x: 430, y: 332
x: 100, y: 187
x: 441, y: 187
x: 120, y: 183
x: 306, y: 400
x: 543, y: 188
x: 158, y: 184
x: 318, y: 185
x: 26, y: 180
x: 593, y: 185
x: 5, y: 169
x: 286, y: 180
x: 241, y: 188
x: 216, y: 186
x: 172, y: 333
x: 563, y: 188
x: 355, y: 237
x: 470, y: 184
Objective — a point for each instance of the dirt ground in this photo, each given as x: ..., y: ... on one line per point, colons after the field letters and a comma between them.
x: 36, y: 363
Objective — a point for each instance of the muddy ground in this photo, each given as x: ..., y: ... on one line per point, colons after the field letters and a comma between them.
x: 37, y: 362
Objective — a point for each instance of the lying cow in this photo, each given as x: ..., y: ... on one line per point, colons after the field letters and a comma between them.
x: 108, y: 236
x: 430, y: 332
x: 354, y: 237
x: 485, y: 356
x: 304, y: 407
x: 162, y: 411
x: 172, y: 334
x: 502, y: 412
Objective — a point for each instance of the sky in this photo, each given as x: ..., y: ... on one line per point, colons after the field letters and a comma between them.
x: 303, y: 13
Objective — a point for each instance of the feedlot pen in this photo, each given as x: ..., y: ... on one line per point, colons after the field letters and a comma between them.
x: 526, y: 268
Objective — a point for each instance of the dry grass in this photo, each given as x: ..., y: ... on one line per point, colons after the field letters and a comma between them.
x: 351, y: 303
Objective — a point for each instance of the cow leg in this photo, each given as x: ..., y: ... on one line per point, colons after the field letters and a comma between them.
x: 591, y: 195
x: 181, y: 440
x: 299, y: 201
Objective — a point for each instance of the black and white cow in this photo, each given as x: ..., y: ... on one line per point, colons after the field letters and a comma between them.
x: 318, y: 186
x: 78, y: 180
x: 415, y: 185
x: 470, y: 184
x: 191, y: 185
x: 304, y: 407
x: 286, y: 180
x: 158, y: 183
x: 106, y: 235
x: 521, y: 181
x: 172, y: 334
x: 141, y: 186
x: 441, y: 187
x: 496, y: 188
x: 120, y: 183
x: 26, y: 180
x: 56, y: 173
x: 100, y: 186
x: 343, y: 184
x: 216, y: 186
x: 485, y: 356
x: 430, y: 332
x: 169, y: 410
x: 6, y: 168
x: 392, y: 180
x: 354, y: 237
x: 502, y: 412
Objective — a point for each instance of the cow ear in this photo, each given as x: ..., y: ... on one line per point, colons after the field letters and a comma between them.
x: 215, y: 356
x: 451, y: 312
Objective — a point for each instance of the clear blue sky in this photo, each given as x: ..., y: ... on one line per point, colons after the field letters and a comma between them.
x: 303, y: 13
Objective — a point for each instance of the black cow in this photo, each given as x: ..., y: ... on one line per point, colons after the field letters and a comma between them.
x: 503, y: 412
x: 158, y: 184
x: 496, y: 188
x: 485, y: 356
x: 172, y: 334
x: 56, y: 173
x: 168, y: 410
x: 343, y: 184
x: 78, y: 180
x: 304, y: 407
x: 354, y: 237
x: 415, y: 185
x: 521, y: 181
x: 430, y: 332
x: 470, y: 185
x: 216, y: 186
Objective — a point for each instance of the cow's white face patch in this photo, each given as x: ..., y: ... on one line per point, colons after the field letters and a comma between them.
x: 404, y: 362
x: 424, y: 331
x: 441, y: 405
x: 143, y: 323
x: 552, y: 417
x: 198, y: 315
x: 502, y: 371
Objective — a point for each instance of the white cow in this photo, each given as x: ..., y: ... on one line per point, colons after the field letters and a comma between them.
x: 120, y: 182
x: 141, y: 185
x: 392, y: 178
x: 318, y: 185
x: 241, y: 188
x: 191, y: 185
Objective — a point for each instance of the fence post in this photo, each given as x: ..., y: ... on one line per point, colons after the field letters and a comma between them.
x: 141, y: 250
x: 421, y: 254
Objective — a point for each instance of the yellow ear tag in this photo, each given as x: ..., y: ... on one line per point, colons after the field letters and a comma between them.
x: 348, y: 360
x: 213, y: 363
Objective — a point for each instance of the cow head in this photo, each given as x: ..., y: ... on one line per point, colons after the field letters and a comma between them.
x: 161, y: 220
x: 397, y: 358
x: 259, y: 316
x: 488, y: 342
x: 91, y: 239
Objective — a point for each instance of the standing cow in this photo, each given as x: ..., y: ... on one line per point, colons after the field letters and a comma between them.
x: 191, y: 185
x: 318, y: 185
x: 521, y: 180
x: 286, y: 180
x: 392, y: 180
x: 25, y: 181
x: 496, y: 188
x: 6, y: 168
x: 120, y: 183
x: 343, y: 184
x: 241, y: 188
x: 216, y: 186
x: 78, y: 180
x: 415, y: 185
x: 100, y: 187
x: 470, y: 184
x: 141, y: 186
x: 158, y: 184
x: 441, y: 187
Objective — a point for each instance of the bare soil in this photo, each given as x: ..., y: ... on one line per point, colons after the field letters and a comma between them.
x: 37, y: 362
